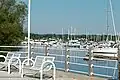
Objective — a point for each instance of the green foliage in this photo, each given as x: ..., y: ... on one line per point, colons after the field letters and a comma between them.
x: 82, y: 36
x: 12, y: 17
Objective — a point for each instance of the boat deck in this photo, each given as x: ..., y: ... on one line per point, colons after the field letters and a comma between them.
x: 60, y: 75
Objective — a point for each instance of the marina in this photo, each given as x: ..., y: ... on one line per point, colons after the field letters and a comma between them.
x: 47, y: 54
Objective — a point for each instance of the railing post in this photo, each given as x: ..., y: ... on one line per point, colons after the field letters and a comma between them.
x: 119, y: 61
x: 30, y: 50
x: 46, y: 50
x: 67, y: 58
x: 90, y: 62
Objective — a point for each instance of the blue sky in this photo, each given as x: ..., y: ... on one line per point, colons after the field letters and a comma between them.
x: 86, y: 16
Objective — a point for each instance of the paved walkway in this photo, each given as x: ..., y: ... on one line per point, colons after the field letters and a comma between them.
x: 60, y: 75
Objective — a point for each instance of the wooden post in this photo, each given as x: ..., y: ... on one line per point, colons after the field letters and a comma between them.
x: 90, y: 63
x: 67, y: 58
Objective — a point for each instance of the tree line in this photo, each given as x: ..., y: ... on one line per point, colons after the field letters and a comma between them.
x: 65, y: 37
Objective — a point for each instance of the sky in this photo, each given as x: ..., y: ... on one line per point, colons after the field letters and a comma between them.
x: 84, y: 16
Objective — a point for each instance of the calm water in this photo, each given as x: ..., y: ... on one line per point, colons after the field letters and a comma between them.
x: 78, y: 53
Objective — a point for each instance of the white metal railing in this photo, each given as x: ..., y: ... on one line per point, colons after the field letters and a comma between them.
x: 23, y: 53
x: 13, y: 46
x: 76, y: 62
x: 79, y: 71
x: 104, y: 67
x: 68, y: 57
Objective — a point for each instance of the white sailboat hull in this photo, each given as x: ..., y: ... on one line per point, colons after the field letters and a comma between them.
x: 107, y: 52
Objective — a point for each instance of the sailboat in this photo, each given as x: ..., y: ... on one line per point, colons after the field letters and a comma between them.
x: 106, y: 51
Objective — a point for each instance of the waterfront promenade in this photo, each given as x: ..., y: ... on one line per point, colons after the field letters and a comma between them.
x: 60, y: 75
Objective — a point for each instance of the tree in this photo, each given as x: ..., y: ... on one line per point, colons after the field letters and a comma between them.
x: 13, y: 14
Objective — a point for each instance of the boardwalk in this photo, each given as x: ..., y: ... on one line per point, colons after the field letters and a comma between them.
x: 60, y: 75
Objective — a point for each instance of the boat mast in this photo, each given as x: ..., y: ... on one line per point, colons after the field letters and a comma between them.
x: 62, y: 35
x: 68, y: 34
x: 107, y: 18
x: 71, y: 32
x: 74, y: 33
x: 86, y: 35
x: 113, y: 20
x: 103, y: 37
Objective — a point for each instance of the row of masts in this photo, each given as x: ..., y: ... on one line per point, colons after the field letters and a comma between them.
x: 109, y: 5
x: 71, y: 35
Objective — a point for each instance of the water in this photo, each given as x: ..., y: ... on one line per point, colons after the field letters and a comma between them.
x: 77, y: 53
